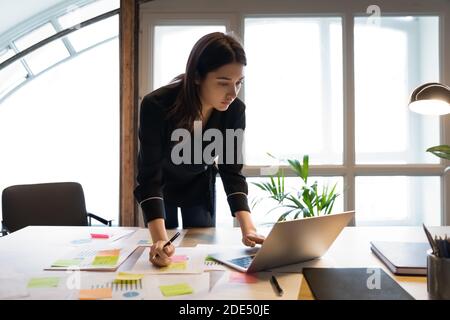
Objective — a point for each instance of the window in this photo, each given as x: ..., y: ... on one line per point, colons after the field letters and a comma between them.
x: 398, y: 200
x: 34, y: 37
x: 172, y: 47
x: 49, y: 132
x: 46, y: 56
x: 5, y: 54
x: 11, y: 76
x: 390, y: 61
x: 95, y: 33
x: 75, y: 15
x: 300, y: 74
x: 330, y: 83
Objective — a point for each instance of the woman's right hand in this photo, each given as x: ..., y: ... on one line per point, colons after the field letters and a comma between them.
x: 160, y: 255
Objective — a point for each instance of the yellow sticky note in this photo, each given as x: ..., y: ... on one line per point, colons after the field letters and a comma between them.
x: 93, y: 294
x: 104, y: 253
x: 176, y: 289
x: 124, y: 276
x: 175, y: 266
x: 105, y: 261
x: 48, y: 282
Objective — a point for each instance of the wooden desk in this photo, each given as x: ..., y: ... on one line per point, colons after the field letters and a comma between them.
x: 30, y: 250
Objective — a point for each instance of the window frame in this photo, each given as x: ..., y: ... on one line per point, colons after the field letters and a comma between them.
x: 238, y: 10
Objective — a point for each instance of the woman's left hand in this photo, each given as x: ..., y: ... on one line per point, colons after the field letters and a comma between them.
x: 251, y: 238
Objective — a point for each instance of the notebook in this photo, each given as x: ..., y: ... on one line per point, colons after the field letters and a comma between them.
x: 353, y: 284
x: 402, y: 258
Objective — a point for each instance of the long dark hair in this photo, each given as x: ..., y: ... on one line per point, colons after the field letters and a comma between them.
x: 211, y: 52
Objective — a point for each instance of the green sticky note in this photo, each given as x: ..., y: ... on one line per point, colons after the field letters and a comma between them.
x: 50, y: 282
x: 209, y: 259
x: 105, y: 261
x: 67, y: 262
x: 176, y: 289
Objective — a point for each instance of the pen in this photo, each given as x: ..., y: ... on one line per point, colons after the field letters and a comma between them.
x: 171, y: 239
x: 431, y: 241
x: 276, y: 285
x: 169, y: 242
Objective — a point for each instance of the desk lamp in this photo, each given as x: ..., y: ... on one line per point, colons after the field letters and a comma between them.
x: 432, y: 99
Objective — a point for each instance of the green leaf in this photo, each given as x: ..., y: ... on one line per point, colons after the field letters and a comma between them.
x: 442, y: 151
x: 285, y: 214
x: 305, y: 168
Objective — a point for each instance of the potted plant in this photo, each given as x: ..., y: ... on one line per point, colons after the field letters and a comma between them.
x: 307, y: 201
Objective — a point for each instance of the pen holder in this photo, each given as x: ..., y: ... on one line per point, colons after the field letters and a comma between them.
x: 438, y: 277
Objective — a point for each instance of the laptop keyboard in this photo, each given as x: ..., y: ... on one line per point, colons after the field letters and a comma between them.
x: 243, y: 261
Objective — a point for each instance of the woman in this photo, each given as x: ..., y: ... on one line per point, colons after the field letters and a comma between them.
x: 202, y: 99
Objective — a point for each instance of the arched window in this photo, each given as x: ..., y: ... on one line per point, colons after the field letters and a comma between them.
x: 59, y: 103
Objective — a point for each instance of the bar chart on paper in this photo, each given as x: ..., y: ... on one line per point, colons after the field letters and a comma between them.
x: 125, y: 289
x: 120, y: 286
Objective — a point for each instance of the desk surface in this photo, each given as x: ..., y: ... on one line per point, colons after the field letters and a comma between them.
x: 30, y: 250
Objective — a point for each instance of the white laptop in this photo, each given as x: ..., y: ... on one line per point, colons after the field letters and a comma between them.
x: 289, y: 242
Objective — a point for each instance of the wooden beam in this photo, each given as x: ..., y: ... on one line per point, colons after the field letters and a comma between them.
x: 129, y: 35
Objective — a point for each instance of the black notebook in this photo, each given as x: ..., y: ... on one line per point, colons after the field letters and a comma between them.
x: 402, y: 258
x: 353, y: 284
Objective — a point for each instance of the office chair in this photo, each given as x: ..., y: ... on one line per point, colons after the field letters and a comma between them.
x: 49, y: 204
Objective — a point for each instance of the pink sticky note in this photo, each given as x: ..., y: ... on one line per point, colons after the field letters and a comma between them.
x: 179, y: 258
x: 99, y: 236
x: 240, y: 277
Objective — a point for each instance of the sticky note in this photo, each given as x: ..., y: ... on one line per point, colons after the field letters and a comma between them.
x: 99, y: 236
x: 81, y: 241
x: 112, y: 252
x: 239, y: 277
x: 176, y: 289
x: 209, y: 259
x: 105, y: 261
x: 66, y: 262
x: 93, y: 294
x: 124, y: 276
x: 174, y: 266
x: 48, y: 282
x: 179, y: 258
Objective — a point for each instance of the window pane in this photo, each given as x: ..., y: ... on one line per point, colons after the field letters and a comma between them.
x: 65, y: 126
x: 46, y: 56
x: 260, y: 213
x: 293, y: 89
x: 35, y: 36
x: 76, y: 15
x: 172, y: 45
x: 95, y: 33
x: 398, y: 201
x: 390, y: 61
x: 11, y: 76
x: 6, y: 54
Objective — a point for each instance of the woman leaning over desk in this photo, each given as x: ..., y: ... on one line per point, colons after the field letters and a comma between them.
x: 203, y: 98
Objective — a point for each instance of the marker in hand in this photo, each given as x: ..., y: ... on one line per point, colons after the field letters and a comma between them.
x: 168, y: 242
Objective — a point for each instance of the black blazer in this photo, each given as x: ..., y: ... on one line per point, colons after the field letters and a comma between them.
x: 160, y: 180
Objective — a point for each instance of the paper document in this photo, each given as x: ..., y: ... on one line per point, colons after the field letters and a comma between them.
x: 109, y: 258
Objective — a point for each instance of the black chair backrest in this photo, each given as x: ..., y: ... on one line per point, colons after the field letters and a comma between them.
x: 49, y: 204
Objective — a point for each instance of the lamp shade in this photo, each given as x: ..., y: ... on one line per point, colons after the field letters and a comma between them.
x: 431, y: 99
